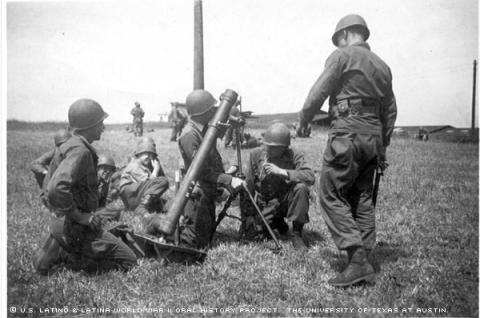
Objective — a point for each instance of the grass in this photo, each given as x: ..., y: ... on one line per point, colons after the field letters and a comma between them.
x: 427, y: 245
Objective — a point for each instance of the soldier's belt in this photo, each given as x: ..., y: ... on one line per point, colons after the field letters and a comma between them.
x: 355, y: 106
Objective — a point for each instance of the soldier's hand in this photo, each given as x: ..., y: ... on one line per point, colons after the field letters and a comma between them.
x: 382, y: 158
x: 155, y: 164
x: 95, y: 222
x: 268, y: 214
x: 273, y: 169
x: 232, y: 170
x: 237, y: 183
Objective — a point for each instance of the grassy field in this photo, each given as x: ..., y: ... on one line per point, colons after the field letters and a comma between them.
x: 426, y: 254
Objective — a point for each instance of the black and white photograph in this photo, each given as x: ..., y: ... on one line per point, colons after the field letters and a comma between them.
x: 240, y: 158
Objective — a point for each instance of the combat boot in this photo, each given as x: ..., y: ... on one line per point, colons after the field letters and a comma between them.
x: 48, y: 255
x: 358, y: 269
x: 296, y: 237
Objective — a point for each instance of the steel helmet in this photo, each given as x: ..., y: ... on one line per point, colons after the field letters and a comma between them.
x: 146, y: 144
x: 199, y: 102
x: 277, y: 134
x: 61, y: 136
x: 106, y: 160
x: 349, y: 21
x: 85, y: 113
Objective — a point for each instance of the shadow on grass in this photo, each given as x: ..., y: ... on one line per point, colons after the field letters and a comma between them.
x: 225, y: 236
x: 312, y: 237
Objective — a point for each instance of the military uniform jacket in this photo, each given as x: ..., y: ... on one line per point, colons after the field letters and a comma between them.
x: 272, y: 186
x: 72, y: 177
x: 137, y: 113
x: 135, y: 172
x: 212, y: 173
x: 40, y: 165
x: 356, y: 77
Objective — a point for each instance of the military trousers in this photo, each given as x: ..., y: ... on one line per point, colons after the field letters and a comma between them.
x: 133, y: 193
x: 292, y: 205
x: 79, y: 248
x: 138, y: 128
x: 346, y: 186
x: 97, y: 251
x: 230, y: 136
x: 199, y: 218
x: 295, y: 204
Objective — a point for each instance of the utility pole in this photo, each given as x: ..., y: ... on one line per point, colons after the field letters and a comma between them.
x: 473, y: 96
x: 198, y: 45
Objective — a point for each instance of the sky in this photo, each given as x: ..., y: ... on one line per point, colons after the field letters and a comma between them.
x: 269, y: 51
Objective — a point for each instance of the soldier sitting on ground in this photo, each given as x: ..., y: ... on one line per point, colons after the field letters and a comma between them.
x: 280, y: 176
x: 143, y: 181
x: 108, y: 193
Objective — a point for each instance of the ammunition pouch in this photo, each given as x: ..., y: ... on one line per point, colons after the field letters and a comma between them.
x: 355, y: 107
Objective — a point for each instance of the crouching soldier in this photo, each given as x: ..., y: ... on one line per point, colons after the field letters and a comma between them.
x: 143, y: 181
x: 108, y: 193
x: 280, y: 177
x: 72, y: 191
x: 40, y: 165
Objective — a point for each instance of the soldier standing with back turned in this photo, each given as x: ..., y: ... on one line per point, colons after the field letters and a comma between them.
x: 137, y: 113
x: 363, y: 111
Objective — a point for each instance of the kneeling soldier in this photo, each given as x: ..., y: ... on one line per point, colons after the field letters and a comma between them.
x: 72, y: 191
x: 143, y: 181
x: 281, y: 177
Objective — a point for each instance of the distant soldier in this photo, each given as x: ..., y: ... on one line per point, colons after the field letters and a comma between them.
x: 423, y: 134
x: 280, y: 177
x: 72, y: 191
x: 363, y: 110
x: 178, y: 118
x: 238, y: 123
x: 40, y: 165
x: 143, y: 181
x: 137, y: 113
x: 250, y: 141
